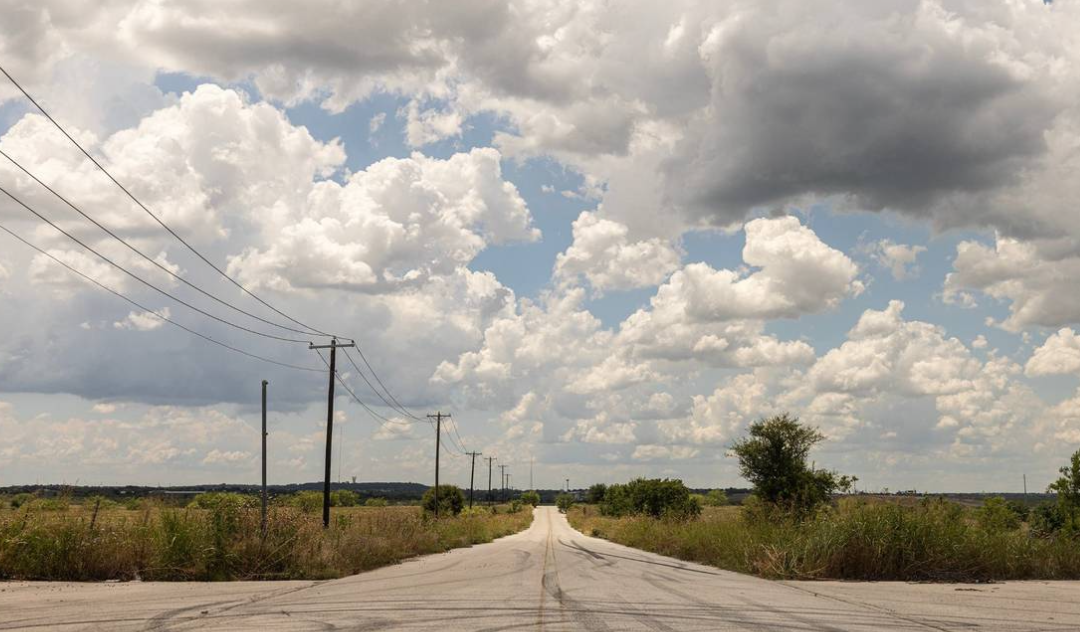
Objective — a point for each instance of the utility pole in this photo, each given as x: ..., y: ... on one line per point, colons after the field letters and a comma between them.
x: 1025, y: 485
x: 438, y: 417
x: 333, y: 347
x: 472, y: 475
x: 489, y: 460
x: 502, y: 482
x: 530, y: 472
x: 262, y: 522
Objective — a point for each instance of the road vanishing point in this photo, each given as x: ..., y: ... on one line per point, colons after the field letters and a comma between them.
x: 548, y: 577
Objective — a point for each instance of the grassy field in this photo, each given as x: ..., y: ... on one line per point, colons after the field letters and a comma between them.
x: 74, y: 542
x: 857, y: 540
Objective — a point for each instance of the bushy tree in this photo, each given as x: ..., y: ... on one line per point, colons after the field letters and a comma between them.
x: 1067, y: 488
x: 344, y: 498
x: 715, y: 498
x: 451, y: 500
x: 996, y: 516
x: 376, y: 502
x: 530, y: 498
x: 218, y: 500
x: 658, y: 498
x: 595, y: 495
x: 773, y: 459
x: 564, y: 502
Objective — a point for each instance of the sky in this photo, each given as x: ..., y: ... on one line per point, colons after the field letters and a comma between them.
x: 606, y: 237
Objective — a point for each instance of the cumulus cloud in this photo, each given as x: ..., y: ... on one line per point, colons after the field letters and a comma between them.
x: 1059, y: 355
x: 142, y: 321
x: 399, y: 221
x: 900, y: 259
x: 1036, y: 282
x: 603, y: 255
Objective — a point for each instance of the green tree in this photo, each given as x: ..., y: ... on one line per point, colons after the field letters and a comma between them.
x: 564, y: 502
x: 996, y: 516
x: 531, y: 498
x: 716, y: 498
x: 1067, y: 489
x: 375, y: 502
x: 595, y: 495
x: 344, y: 498
x: 773, y: 459
x: 451, y: 500
x: 654, y: 497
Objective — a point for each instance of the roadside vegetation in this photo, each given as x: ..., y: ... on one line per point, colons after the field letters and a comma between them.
x: 797, y: 526
x: 217, y: 537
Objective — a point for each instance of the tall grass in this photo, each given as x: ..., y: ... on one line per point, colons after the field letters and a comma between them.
x: 858, y: 540
x: 224, y: 543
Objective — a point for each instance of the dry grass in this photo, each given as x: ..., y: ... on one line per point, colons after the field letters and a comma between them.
x: 862, y: 540
x: 158, y: 543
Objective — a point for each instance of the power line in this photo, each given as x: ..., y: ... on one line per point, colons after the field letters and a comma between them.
x: 155, y: 313
x: 360, y: 372
x: 152, y: 260
x: 140, y: 279
x: 404, y: 410
x: 311, y: 330
x: 337, y: 375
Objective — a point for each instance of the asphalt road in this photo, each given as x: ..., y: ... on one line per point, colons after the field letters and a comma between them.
x: 549, y: 577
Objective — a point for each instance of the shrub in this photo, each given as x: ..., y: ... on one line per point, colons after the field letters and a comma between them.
x: 715, y: 498
x: 344, y: 498
x: 217, y: 500
x: 564, y: 502
x: 657, y: 498
x: 1067, y: 489
x: 596, y: 493
x: 773, y: 459
x: 451, y: 500
x: 1046, y: 519
x: 376, y: 502
x: 19, y: 500
x: 308, y: 502
x: 515, y: 506
x: 995, y: 516
x: 531, y: 498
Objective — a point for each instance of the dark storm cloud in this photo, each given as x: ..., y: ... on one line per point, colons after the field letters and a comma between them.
x: 889, y: 111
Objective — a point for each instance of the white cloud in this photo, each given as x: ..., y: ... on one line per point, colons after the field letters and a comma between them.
x: 1035, y: 278
x: 394, y: 429
x: 603, y: 254
x: 900, y: 259
x: 797, y: 274
x: 1059, y: 355
x: 227, y: 457
x: 649, y: 452
x: 143, y: 321
x: 398, y: 222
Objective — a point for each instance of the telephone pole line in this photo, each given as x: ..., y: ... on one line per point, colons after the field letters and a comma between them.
x: 489, y: 460
x: 333, y: 347
x: 438, y: 417
x: 262, y: 521
x: 472, y: 475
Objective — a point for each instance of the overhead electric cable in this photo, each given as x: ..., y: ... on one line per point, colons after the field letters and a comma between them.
x: 311, y: 330
x: 403, y: 410
x: 152, y: 260
x: 399, y: 408
x: 140, y: 279
x: 155, y: 313
x: 344, y: 385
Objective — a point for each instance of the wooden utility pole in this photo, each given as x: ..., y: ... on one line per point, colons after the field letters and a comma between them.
x: 262, y: 522
x: 472, y: 475
x: 333, y: 347
x: 502, y: 482
x: 489, y: 460
x: 438, y: 417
